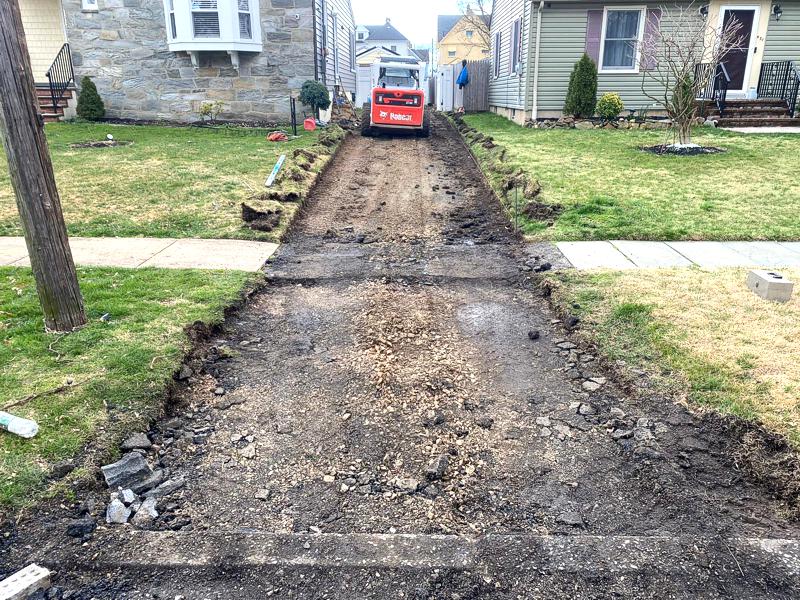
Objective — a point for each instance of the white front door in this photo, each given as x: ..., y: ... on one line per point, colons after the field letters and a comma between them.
x: 739, y: 60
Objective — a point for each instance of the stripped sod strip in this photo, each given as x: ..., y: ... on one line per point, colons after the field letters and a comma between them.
x: 88, y: 389
x: 703, y: 334
x: 175, y: 181
x: 598, y: 185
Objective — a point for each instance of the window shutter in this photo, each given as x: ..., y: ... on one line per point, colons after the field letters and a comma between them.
x: 594, y: 29
x: 652, y: 28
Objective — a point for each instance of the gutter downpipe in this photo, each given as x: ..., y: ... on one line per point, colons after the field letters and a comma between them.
x: 535, y: 115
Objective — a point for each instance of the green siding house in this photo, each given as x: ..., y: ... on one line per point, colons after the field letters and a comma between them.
x: 536, y: 43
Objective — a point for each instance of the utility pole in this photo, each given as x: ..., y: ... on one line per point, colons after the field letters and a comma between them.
x: 32, y: 177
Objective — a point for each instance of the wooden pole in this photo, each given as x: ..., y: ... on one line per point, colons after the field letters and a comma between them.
x: 33, y: 181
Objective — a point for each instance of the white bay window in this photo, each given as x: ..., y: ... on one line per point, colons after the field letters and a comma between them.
x: 196, y: 26
x: 621, y: 36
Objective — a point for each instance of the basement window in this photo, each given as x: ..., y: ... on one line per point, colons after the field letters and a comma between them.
x: 89, y: 6
x: 197, y: 26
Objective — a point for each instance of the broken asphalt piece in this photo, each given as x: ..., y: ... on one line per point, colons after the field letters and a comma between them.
x: 437, y: 468
x: 184, y: 373
x: 155, y: 479
x: 484, y: 422
x: 81, y: 527
x: 128, y: 471
x: 117, y: 512
x: 407, y: 484
x: 571, y: 518
x: 146, y: 514
x: 138, y: 441
x: 166, y: 488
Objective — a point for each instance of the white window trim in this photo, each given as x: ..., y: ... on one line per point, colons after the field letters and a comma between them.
x: 515, y: 67
x: 642, y: 26
x: 89, y: 6
x: 497, y: 54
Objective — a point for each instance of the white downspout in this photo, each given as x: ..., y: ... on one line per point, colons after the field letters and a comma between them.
x: 535, y: 115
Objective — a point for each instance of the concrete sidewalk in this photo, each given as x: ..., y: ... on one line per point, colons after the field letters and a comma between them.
x: 619, y: 254
x: 166, y: 253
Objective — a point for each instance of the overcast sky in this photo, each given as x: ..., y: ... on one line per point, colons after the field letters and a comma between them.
x: 415, y: 19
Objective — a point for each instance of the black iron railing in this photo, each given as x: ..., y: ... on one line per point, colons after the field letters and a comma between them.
x: 60, y: 75
x: 716, y: 90
x: 780, y: 81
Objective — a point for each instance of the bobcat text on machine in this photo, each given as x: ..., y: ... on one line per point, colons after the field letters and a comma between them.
x: 397, y: 102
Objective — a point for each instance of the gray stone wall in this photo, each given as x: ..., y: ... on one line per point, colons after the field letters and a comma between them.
x: 123, y: 48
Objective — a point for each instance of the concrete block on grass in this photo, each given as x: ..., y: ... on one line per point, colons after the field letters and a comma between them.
x: 770, y: 285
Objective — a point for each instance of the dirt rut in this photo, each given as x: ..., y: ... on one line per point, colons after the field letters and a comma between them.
x: 404, y: 417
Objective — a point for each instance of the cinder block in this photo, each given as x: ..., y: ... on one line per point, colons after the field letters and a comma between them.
x: 24, y: 582
x: 770, y: 285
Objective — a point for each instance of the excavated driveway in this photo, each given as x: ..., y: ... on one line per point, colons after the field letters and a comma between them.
x: 403, y: 417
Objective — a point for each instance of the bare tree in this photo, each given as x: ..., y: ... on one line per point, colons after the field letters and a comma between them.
x: 680, y: 57
x: 478, y: 18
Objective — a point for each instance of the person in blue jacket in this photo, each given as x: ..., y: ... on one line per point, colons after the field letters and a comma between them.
x: 463, y: 77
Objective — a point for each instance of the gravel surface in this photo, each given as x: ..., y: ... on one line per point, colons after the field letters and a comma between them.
x: 402, y: 375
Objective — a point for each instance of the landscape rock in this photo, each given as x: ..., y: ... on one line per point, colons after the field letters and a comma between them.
x: 617, y: 413
x: 586, y: 409
x: 117, y: 512
x: 138, y: 441
x: 129, y: 470
x: 262, y: 494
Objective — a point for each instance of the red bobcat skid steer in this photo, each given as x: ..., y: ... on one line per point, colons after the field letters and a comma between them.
x: 397, y: 103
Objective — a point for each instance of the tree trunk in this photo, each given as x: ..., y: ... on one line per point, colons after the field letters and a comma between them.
x: 33, y: 181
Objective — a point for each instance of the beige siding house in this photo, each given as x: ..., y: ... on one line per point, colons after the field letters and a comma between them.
x: 532, y: 68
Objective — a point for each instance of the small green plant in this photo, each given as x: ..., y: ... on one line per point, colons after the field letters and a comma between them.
x: 211, y: 110
x: 90, y: 105
x: 315, y: 95
x: 609, y: 106
x: 582, y: 92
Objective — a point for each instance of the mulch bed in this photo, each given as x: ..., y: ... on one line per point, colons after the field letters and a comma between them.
x: 691, y: 151
x: 100, y: 144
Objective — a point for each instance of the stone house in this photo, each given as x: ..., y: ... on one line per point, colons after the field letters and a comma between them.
x: 535, y: 44
x: 162, y: 59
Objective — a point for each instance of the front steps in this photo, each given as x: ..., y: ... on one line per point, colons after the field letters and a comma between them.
x: 764, y: 112
x: 61, y: 110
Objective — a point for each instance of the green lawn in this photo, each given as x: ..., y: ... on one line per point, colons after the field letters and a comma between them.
x: 609, y: 189
x: 700, y: 334
x: 119, y: 367
x: 171, y: 182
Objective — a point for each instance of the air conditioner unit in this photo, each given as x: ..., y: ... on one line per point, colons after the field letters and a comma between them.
x: 196, y: 26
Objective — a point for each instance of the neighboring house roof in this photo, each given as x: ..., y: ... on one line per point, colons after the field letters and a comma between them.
x: 446, y: 23
x: 423, y: 53
x: 384, y: 32
x: 372, y: 48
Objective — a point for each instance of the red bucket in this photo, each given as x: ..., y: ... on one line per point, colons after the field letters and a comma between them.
x: 309, y: 124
